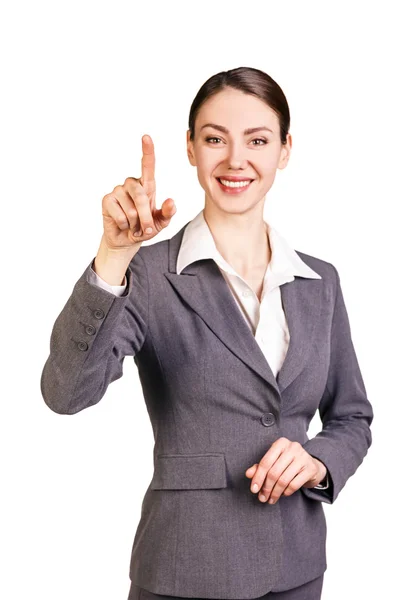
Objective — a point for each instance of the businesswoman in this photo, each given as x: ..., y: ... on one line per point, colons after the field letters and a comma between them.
x: 238, y: 339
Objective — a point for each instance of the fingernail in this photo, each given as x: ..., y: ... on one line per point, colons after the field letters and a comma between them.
x: 137, y: 232
x: 262, y: 498
x: 271, y: 500
x: 148, y: 230
x: 255, y: 488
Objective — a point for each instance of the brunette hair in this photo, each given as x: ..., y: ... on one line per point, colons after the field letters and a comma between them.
x: 250, y: 81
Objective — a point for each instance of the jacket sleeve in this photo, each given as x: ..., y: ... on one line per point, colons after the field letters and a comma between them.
x: 90, y: 338
x: 345, y: 410
x: 117, y: 290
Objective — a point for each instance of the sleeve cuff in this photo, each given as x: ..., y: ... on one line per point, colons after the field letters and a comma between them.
x: 117, y: 290
x: 324, y: 484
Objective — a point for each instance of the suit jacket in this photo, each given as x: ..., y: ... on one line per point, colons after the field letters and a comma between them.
x: 215, y: 408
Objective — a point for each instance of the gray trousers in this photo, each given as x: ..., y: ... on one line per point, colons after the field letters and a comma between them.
x: 309, y: 591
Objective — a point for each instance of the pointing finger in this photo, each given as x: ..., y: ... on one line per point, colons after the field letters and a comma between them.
x: 148, y: 164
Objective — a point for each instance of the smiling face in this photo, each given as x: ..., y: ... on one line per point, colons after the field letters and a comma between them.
x: 228, y: 146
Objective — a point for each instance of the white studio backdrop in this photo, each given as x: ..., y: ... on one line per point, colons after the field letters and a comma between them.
x: 82, y: 82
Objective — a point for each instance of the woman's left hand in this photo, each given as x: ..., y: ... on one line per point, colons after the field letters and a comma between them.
x: 285, y: 468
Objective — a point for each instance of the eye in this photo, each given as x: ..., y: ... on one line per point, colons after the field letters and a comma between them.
x: 260, y: 140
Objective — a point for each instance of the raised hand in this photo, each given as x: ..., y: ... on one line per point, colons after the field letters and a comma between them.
x: 129, y: 212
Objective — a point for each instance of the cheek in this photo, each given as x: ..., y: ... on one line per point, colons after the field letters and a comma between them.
x: 269, y: 171
x: 267, y: 164
x: 206, y: 166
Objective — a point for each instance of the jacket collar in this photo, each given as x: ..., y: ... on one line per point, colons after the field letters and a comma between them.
x: 198, y: 244
x: 202, y: 286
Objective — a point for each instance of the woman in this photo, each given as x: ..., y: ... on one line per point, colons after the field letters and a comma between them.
x: 208, y: 315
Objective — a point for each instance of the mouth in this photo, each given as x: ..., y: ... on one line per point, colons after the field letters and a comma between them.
x: 234, y: 187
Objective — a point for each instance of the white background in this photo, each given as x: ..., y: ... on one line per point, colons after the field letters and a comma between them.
x: 82, y: 82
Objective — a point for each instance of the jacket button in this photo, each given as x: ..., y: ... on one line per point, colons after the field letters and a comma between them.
x: 98, y: 313
x: 83, y: 346
x: 267, y: 419
x: 90, y: 330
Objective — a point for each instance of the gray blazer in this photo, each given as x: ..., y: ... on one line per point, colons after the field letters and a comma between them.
x: 215, y: 408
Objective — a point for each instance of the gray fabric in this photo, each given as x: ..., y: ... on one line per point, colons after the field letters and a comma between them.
x: 215, y: 408
x: 308, y: 591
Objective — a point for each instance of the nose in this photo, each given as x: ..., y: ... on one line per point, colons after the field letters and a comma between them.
x: 236, y: 156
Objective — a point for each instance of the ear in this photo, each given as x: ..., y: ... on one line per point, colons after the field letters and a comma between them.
x: 190, y: 151
x: 285, y: 152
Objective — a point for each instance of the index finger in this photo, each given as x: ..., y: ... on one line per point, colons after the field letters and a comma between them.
x: 148, y: 160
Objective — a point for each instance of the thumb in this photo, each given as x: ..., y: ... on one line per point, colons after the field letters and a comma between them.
x: 166, y: 212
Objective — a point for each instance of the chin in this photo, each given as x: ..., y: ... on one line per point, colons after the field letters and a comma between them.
x: 230, y: 205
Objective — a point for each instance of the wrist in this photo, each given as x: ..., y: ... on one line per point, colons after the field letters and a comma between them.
x: 322, y: 471
x: 112, y: 264
x: 117, y: 254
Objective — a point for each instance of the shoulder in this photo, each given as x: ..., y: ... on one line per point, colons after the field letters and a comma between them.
x: 154, y: 250
x: 153, y: 256
x: 324, y: 268
x: 157, y: 254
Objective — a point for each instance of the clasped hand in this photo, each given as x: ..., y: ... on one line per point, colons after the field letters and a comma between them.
x: 285, y: 468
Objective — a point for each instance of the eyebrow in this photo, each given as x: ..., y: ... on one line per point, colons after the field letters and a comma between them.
x: 246, y: 131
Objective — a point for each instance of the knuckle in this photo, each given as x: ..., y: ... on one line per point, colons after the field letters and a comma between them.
x: 107, y: 198
x: 121, y: 222
x: 140, y: 196
x: 280, y: 442
x: 273, y: 473
x: 284, y: 481
x: 130, y: 180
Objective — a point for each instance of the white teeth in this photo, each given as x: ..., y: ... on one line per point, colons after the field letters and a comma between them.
x: 235, y: 183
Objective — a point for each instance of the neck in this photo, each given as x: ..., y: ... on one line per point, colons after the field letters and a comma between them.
x: 241, y: 239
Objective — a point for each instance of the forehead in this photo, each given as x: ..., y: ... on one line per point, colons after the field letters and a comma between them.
x: 236, y: 110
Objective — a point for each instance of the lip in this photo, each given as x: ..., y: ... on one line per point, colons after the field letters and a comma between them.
x: 234, y: 190
x: 235, y: 178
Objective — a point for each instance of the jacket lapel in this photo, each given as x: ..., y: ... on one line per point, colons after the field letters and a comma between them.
x: 301, y: 301
x: 202, y: 286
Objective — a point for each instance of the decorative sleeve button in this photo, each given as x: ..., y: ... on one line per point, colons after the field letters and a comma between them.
x: 90, y: 330
x: 83, y: 346
x: 98, y: 313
